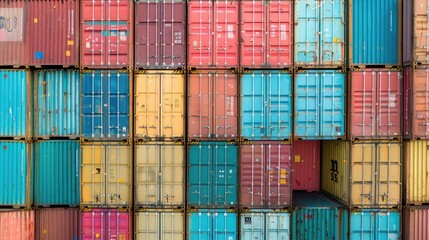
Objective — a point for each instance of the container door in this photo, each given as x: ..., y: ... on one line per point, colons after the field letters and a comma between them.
x: 420, y: 103
x: 200, y: 105
x: 117, y: 225
x: 93, y: 185
x: 200, y: 42
x: 389, y: 174
x: 172, y: 91
x: 306, y: 37
x: 306, y: 105
x: 147, y: 174
x: 253, y: 106
x: 93, y: 44
x: 363, y: 176
x: 116, y: 34
x: 224, y: 226
x: 363, y: 226
x: 253, y: 33
x: 118, y: 175
x: 200, y: 226
x: 389, y: 103
x: 159, y: 225
x: 94, y: 225
x: 279, y: 40
x: 148, y: 21
x: 388, y: 225
x: 224, y: 174
x: 225, y: 36
x: 118, y: 101
x: 173, y: 39
x: 277, y: 226
x: 147, y: 105
x: 252, y: 226
x: 172, y: 175
x: 199, y: 174
x: 225, y: 116
x: 277, y: 160
x: 332, y: 24
x: 92, y: 105
x: 252, y: 175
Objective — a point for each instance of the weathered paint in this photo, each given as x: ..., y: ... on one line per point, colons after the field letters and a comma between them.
x: 17, y: 225
x: 57, y: 223
x: 159, y: 224
x: 212, y: 224
x: 375, y: 224
x: 265, y: 224
x: 306, y: 166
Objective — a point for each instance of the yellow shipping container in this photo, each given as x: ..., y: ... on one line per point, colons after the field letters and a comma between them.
x: 363, y: 174
x: 160, y: 105
x: 159, y: 224
x: 416, y: 173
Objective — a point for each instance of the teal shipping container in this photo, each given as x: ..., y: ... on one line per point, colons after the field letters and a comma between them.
x: 16, y: 160
x: 377, y: 224
x: 316, y: 216
x: 212, y: 174
x: 56, y: 103
x: 265, y: 224
x: 57, y: 165
x: 212, y: 224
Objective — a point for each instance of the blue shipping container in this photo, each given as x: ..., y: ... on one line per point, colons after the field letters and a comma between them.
x: 212, y: 174
x: 57, y: 165
x: 105, y: 105
x: 320, y: 33
x: 320, y: 105
x: 212, y: 225
x: 265, y: 224
x: 266, y: 105
x: 375, y: 224
x: 57, y: 103
x: 316, y: 216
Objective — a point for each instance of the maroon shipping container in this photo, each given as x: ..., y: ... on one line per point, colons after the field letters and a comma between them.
x: 39, y: 33
x: 57, y: 223
x: 106, y: 34
x: 213, y: 34
x: 106, y: 224
x: 265, y: 174
x: 160, y: 34
x: 416, y: 223
x: 375, y: 104
x: 212, y: 105
x: 306, y: 166
x: 266, y: 34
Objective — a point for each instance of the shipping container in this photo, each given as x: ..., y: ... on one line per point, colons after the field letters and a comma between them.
x: 265, y: 180
x: 106, y: 175
x: 416, y: 34
x: 416, y: 155
x: 375, y: 44
x: 316, y: 216
x: 265, y: 224
x: 16, y: 174
x: 212, y: 224
x: 39, y: 33
x: 56, y: 180
x: 320, y: 33
x: 159, y: 174
x: 375, y: 224
x: 16, y: 107
x: 212, y: 174
x: 160, y: 105
x: 212, y: 105
x: 16, y: 225
x: 106, y: 34
x: 266, y: 105
x: 375, y: 104
x: 56, y: 103
x: 306, y: 166
x: 415, y: 223
x: 57, y: 223
x: 320, y: 105
x: 266, y: 38
x: 106, y: 224
x: 363, y: 174
x: 213, y: 34
x: 160, y: 34
x: 159, y: 225
x: 105, y: 103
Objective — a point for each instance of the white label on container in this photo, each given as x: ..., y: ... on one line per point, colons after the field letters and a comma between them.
x: 392, y: 101
x: 11, y: 24
x: 283, y: 35
x: 230, y: 31
x: 123, y: 36
x: 88, y: 45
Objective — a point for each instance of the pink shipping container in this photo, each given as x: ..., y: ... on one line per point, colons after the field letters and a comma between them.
x: 375, y: 104
x: 306, y: 166
x: 39, y: 33
x: 265, y: 174
x: 57, y: 223
x: 106, y: 34
x: 106, y: 224
x: 416, y: 223
x: 213, y: 33
x: 266, y: 34
x: 16, y: 225
x: 212, y: 105
x: 416, y: 32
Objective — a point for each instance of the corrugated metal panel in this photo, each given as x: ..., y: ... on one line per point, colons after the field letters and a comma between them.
x: 159, y: 174
x: 105, y: 105
x: 265, y: 224
x: 212, y: 174
x: 16, y: 225
x: 159, y: 225
x: 306, y: 166
x: 16, y: 107
x: 415, y: 223
x: 212, y: 224
x: 407, y: 27
x: 106, y: 175
x: 160, y: 34
x: 320, y: 105
x: 375, y: 44
x: 212, y: 105
x: 265, y: 174
x: 56, y: 102
x: 416, y: 33
x: 56, y: 179
x: 320, y: 33
x: 375, y: 224
x: 160, y: 105
x: 57, y: 223
x: 266, y: 105
x: 416, y: 169
x: 266, y: 34
x: 106, y: 224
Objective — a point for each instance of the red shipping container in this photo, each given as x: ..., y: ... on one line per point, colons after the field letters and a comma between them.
x: 375, y: 104
x: 266, y: 34
x: 160, y: 34
x: 57, y: 223
x: 265, y: 174
x: 106, y: 34
x: 212, y: 105
x: 416, y: 223
x: 306, y: 166
x: 213, y: 34
x: 17, y: 225
x: 106, y: 224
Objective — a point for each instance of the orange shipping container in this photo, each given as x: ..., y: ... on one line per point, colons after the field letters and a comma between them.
x: 17, y: 225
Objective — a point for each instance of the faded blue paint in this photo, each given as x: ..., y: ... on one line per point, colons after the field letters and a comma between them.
x: 320, y: 104
x: 265, y: 224
x: 266, y: 105
x: 212, y: 174
x: 57, y: 173
x: 213, y: 224
x: 105, y: 105
x: 376, y: 224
